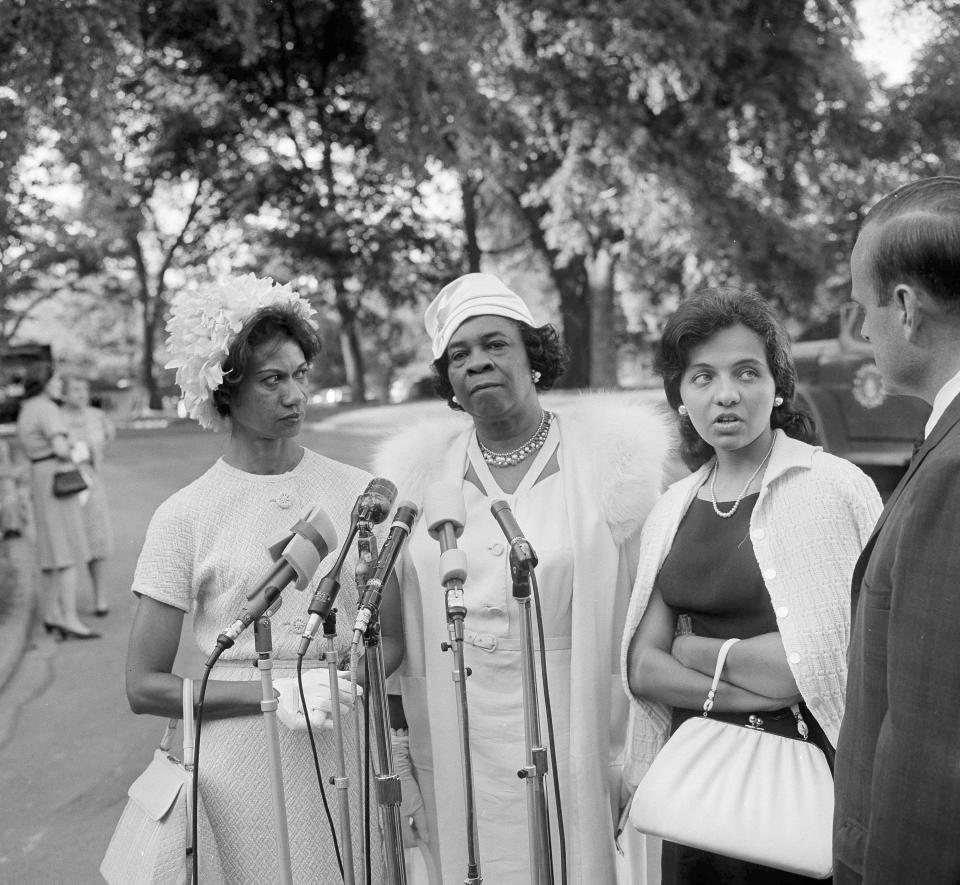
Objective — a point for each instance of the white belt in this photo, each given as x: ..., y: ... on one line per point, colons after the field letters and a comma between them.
x: 490, y: 643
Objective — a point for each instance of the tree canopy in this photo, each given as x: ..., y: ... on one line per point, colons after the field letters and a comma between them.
x: 604, y: 158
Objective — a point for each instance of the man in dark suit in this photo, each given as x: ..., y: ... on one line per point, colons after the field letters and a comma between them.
x: 897, y: 817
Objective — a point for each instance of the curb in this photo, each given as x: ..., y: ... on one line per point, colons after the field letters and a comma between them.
x: 15, y: 628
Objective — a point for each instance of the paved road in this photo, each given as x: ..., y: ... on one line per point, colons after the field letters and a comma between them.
x: 69, y: 746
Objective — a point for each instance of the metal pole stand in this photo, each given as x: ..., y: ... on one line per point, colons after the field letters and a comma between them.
x: 263, y: 640
x: 522, y: 560
x: 341, y: 782
x: 456, y: 612
x: 387, y: 782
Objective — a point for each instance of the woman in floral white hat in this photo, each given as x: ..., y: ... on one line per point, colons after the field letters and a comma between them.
x: 242, y: 349
x: 580, y: 482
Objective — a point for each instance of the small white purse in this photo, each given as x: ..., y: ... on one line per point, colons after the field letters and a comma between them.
x: 740, y: 792
x: 151, y: 843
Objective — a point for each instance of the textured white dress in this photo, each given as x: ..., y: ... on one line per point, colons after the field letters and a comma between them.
x: 205, y: 547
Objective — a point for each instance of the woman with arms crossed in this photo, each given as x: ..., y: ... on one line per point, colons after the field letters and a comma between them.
x: 243, y: 350
x: 759, y: 543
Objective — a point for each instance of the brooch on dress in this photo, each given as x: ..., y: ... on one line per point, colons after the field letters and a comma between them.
x: 284, y: 500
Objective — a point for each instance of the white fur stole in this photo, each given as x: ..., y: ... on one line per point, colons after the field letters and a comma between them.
x: 623, y: 440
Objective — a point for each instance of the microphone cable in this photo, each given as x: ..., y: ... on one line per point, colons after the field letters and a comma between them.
x: 316, y: 764
x: 366, y: 772
x: 555, y: 771
x: 195, y: 791
x: 194, y: 799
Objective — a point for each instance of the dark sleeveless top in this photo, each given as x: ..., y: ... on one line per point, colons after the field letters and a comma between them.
x: 711, y: 574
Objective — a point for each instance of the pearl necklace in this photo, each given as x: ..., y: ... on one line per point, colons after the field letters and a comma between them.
x: 521, y: 453
x: 713, y: 487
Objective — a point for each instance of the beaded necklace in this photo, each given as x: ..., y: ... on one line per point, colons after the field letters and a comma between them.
x: 726, y: 514
x: 521, y: 453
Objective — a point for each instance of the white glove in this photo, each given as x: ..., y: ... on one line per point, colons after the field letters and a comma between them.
x: 316, y: 690
x: 413, y: 814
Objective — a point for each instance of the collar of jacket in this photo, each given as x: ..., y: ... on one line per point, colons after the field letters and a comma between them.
x: 788, y: 454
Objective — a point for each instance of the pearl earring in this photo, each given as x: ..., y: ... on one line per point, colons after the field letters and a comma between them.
x: 682, y: 411
x: 454, y: 400
x: 777, y: 401
x: 536, y: 376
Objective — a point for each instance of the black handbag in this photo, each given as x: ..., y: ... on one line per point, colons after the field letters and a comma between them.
x: 68, y: 482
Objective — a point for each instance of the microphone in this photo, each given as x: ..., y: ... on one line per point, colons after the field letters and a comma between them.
x: 520, y: 548
x: 297, y: 556
x: 400, y: 528
x: 375, y: 501
x: 445, y: 514
x: 373, y: 504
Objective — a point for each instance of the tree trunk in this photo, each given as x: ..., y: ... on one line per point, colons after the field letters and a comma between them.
x: 571, y: 283
x: 150, y: 314
x: 570, y: 280
x: 468, y: 197
x: 350, y: 344
x: 599, y: 269
x: 154, y: 400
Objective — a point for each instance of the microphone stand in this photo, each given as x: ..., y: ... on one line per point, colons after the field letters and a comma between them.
x: 456, y: 612
x: 263, y: 640
x: 387, y: 782
x: 341, y: 781
x: 522, y: 560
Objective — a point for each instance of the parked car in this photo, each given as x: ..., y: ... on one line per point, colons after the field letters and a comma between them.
x: 840, y: 385
x: 15, y: 362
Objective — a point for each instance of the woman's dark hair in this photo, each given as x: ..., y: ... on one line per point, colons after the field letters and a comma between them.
x: 545, y: 351
x: 697, y: 319
x: 265, y: 325
x: 37, y: 377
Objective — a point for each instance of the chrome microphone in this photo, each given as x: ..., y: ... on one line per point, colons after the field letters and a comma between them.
x: 400, y: 529
x: 375, y: 501
x: 520, y: 547
x: 372, y: 505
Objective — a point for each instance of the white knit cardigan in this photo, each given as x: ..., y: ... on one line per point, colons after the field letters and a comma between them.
x: 812, y: 517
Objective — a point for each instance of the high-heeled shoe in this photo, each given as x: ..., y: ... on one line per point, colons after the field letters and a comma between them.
x: 61, y: 632
x: 76, y: 634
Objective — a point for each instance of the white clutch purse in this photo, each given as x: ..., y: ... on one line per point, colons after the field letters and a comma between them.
x: 741, y: 792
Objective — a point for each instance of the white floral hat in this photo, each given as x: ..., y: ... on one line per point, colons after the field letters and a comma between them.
x: 204, y: 323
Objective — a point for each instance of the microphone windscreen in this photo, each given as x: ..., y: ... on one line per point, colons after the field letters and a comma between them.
x: 444, y: 503
x: 320, y: 520
x: 377, y: 499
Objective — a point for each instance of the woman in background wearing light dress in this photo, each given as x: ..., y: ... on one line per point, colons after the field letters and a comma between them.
x: 61, y: 542
x: 90, y: 430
